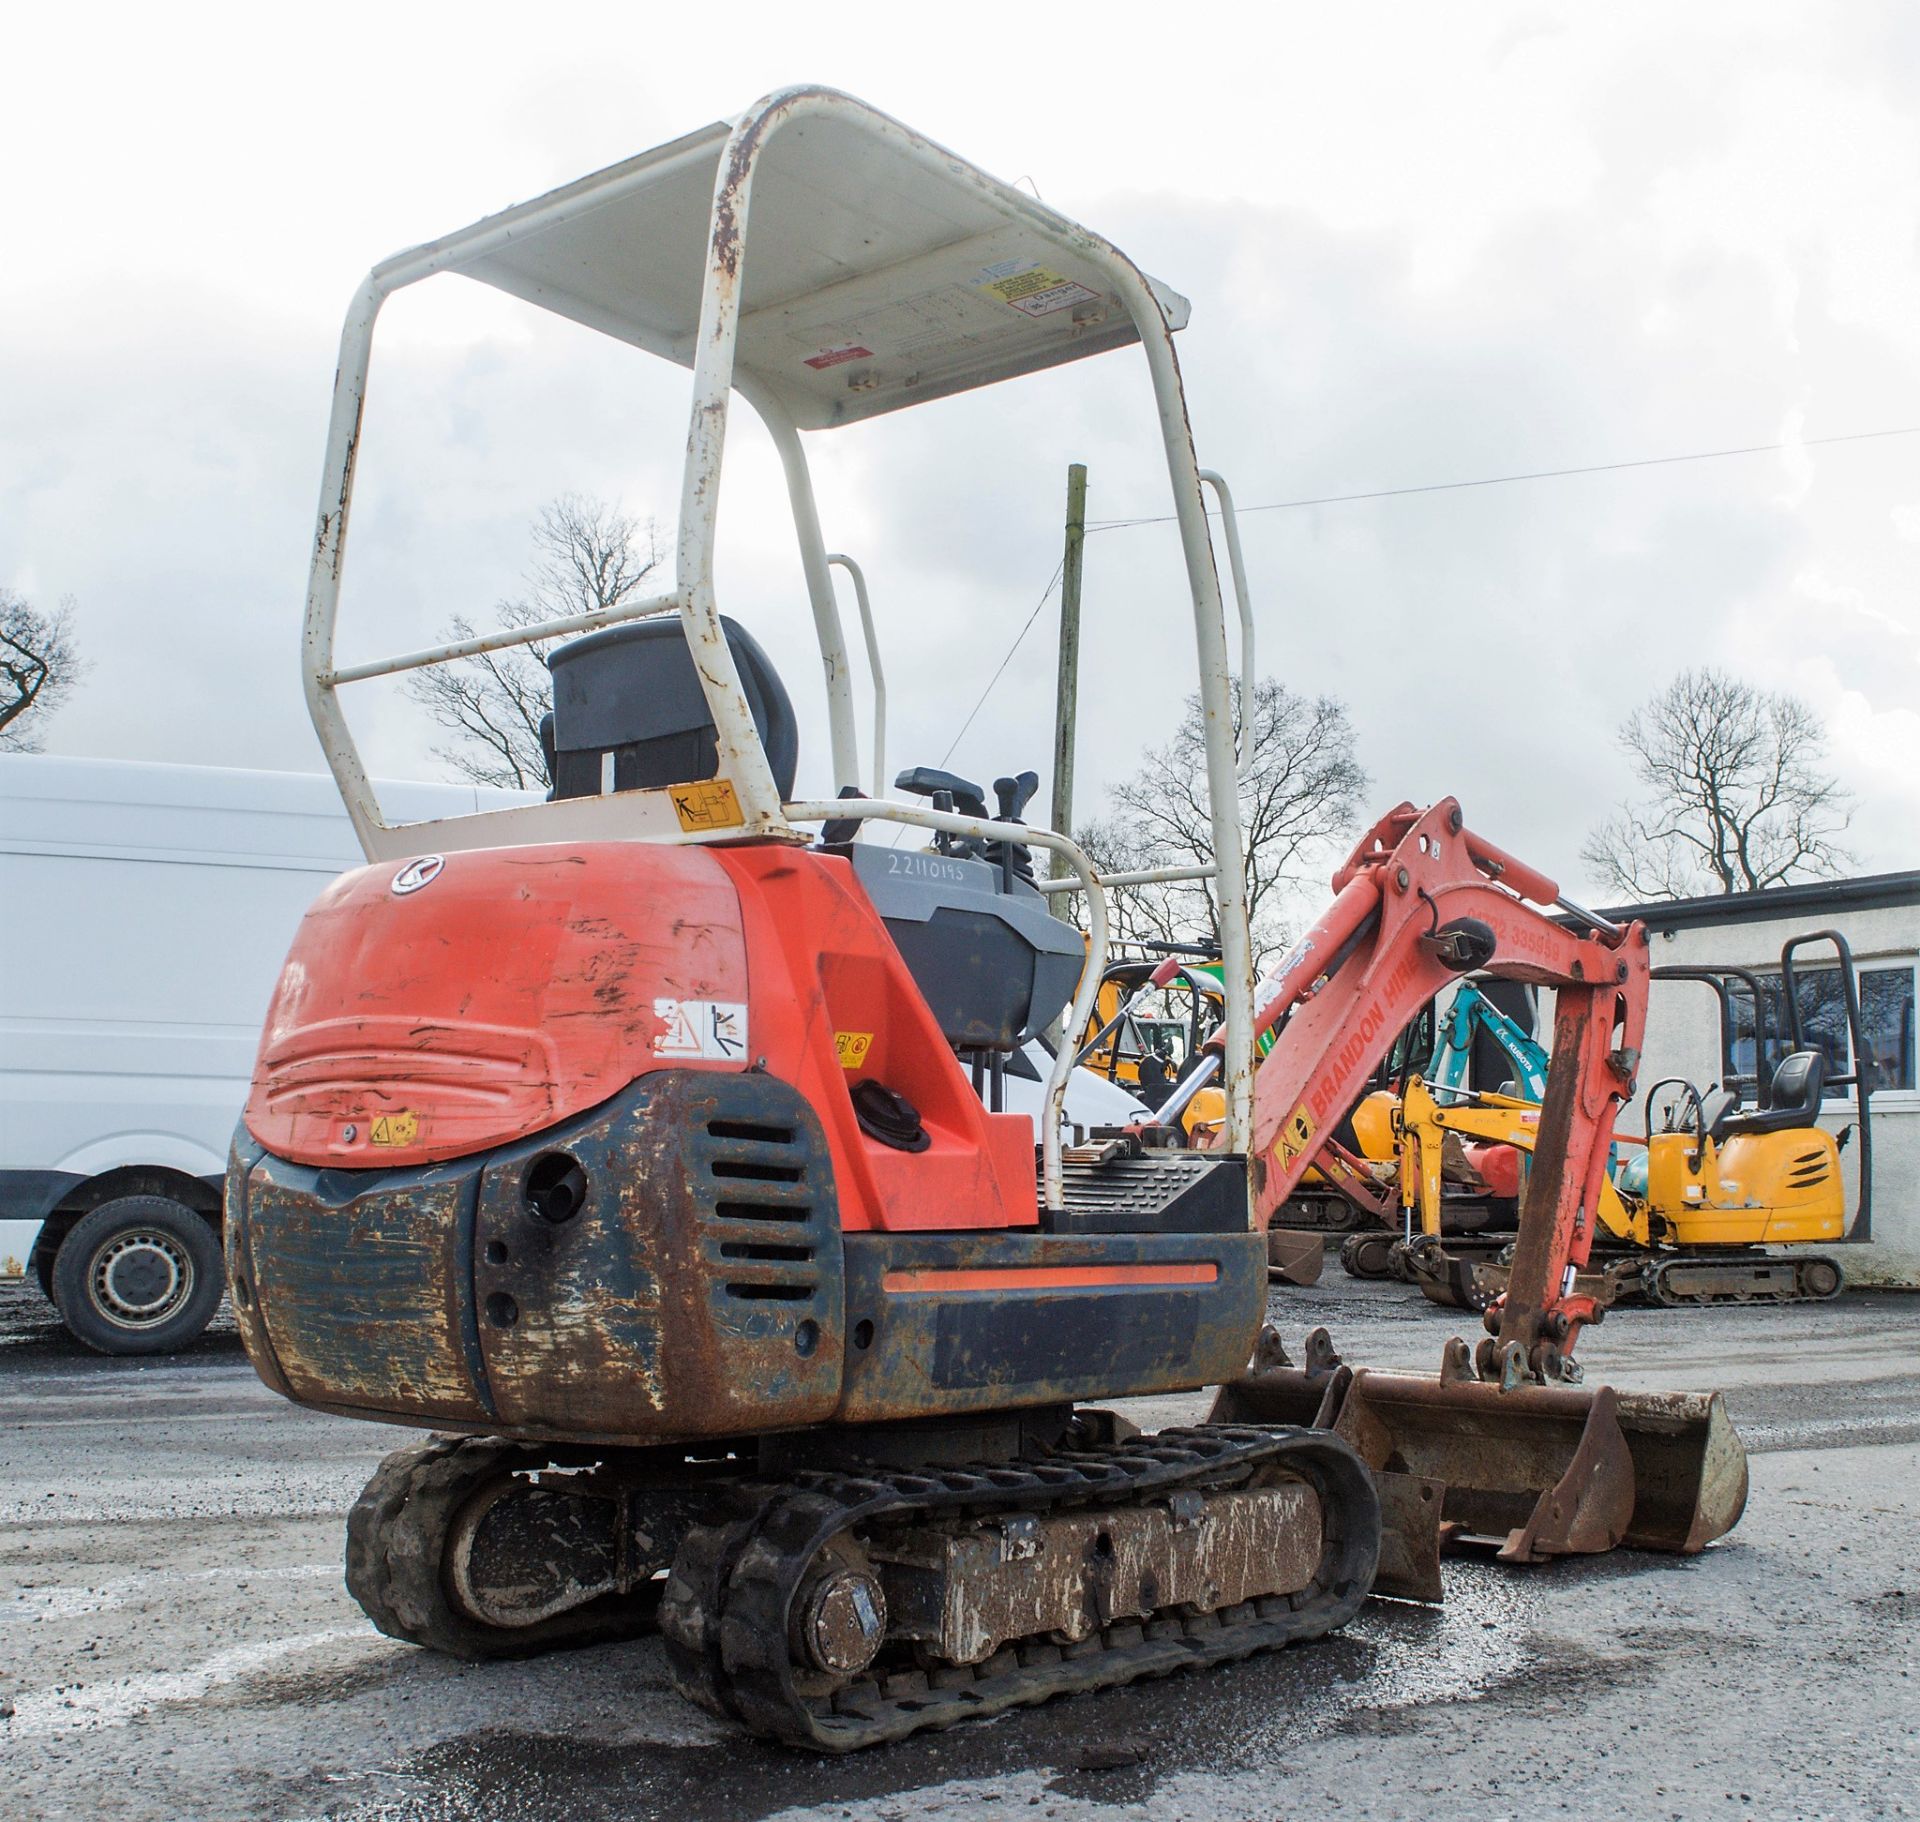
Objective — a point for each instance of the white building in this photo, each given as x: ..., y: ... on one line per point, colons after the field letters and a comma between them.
x: 1879, y: 916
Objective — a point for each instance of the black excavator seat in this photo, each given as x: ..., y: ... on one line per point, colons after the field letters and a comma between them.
x: 1799, y: 1085
x: 629, y: 714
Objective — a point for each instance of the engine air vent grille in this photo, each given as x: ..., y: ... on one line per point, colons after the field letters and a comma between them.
x: 760, y: 1211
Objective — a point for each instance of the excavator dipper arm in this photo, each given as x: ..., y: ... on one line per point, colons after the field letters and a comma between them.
x: 1491, y: 1449
x: 1421, y: 900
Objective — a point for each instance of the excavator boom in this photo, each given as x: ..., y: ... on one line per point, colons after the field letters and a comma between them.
x: 1422, y: 900
x: 1502, y: 1445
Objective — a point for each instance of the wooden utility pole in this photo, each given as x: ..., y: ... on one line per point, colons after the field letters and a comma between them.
x: 1066, y: 704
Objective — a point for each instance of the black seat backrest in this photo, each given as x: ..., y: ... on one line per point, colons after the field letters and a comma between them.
x: 631, y: 692
x: 1798, y: 1085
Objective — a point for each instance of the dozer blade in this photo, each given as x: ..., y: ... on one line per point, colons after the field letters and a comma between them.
x: 1535, y: 1471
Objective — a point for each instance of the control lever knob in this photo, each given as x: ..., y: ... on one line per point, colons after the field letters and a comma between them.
x: 1014, y: 794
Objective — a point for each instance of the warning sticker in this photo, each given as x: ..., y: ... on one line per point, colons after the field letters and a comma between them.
x: 1296, y: 1136
x: 395, y: 1128
x: 710, y: 804
x: 1031, y: 289
x: 713, y: 1029
x: 851, y: 1047
x: 834, y: 357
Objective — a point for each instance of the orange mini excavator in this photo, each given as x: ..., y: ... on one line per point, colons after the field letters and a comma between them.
x: 630, y: 1139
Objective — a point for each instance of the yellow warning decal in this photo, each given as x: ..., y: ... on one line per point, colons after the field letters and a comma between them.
x: 851, y: 1047
x: 1296, y: 1136
x: 395, y: 1129
x: 710, y: 804
x: 1031, y: 289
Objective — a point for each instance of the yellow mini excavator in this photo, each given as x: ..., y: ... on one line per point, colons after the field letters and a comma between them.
x: 1691, y: 1212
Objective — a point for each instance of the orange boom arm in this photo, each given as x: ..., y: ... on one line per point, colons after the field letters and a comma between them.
x: 1420, y: 901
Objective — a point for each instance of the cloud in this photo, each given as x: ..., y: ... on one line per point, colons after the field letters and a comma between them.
x: 1468, y: 245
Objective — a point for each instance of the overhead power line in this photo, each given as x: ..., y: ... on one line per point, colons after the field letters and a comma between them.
x: 1391, y: 493
x: 1536, y: 474
x: 1046, y: 594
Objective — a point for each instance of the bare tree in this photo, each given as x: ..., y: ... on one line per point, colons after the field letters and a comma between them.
x: 1737, y: 794
x: 1301, y: 794
x: 589, y: 554
x: 39, y: 666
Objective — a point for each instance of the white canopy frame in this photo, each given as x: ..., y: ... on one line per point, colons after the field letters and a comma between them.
x: 598, y: 251
x: 875, y: 669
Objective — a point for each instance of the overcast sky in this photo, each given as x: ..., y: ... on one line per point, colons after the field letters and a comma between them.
x: 1423, y: 244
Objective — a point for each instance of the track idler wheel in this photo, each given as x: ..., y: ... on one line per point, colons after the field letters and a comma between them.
x: 1820, y: 1279
x: 453, y: 1546
x: 1368, y: 1255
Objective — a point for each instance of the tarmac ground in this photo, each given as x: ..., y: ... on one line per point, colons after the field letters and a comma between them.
x: 176, y: 1641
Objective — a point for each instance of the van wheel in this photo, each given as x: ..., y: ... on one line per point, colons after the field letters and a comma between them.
x: 138, y: 1275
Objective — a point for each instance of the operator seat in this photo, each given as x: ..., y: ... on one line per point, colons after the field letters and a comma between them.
x: 1799, y: 1085
x: 630, y: 693
x: 991, y: 960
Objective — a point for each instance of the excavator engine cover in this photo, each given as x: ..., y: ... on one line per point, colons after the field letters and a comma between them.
x: 567, y: 1144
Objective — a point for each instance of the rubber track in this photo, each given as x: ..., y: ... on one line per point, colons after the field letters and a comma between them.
x: 396, y: 1541
x: 738, y: 1658
x: 1799, y: 1293
x: 1374, y: 1242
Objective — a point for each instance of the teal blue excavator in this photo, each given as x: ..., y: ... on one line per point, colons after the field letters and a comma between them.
x: 1473, y: 1203
x: 1452, y: 1061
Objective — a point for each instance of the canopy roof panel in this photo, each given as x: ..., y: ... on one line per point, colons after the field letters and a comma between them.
x: 872, y: 279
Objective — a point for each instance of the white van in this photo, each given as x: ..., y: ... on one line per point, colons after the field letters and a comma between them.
x: 145, y: 912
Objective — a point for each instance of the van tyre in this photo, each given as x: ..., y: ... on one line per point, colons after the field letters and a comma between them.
x: 138, y: 1275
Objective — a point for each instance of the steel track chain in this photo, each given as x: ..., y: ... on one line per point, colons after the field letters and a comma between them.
x: 726, y: 1616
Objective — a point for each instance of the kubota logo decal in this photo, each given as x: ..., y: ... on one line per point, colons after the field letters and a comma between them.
x: 418, y: 873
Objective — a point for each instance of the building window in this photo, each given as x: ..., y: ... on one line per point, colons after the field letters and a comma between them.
x: 1886, y: 1022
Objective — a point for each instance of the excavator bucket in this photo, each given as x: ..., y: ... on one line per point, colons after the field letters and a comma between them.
x: 1294, y: 1258
x: 1531, y: 1471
